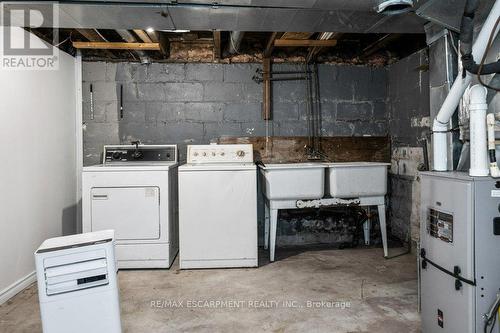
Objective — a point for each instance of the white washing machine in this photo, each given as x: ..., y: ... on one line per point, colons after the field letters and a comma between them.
x: 218, y: 207
x: 134, y: 192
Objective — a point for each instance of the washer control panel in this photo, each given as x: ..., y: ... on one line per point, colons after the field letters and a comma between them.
x: 237, y: 153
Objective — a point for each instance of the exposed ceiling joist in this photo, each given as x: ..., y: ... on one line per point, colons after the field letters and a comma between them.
x: 270, y: 44
x: 217, y: 45
x: 314, y: 51
x: 129, y: 38
x: 117, y: 46
x: 143, y: 36
x: 304, y: 43
x: 297, y: 35
x: 93, y: 35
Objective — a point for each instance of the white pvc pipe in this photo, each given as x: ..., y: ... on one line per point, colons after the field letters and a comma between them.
x: 478, y: 142
x: 440, y: 125
x: 490, y: 120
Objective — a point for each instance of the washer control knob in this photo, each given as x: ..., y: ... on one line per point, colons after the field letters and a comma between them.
x: 195, y: 153
x: 222, y: 153
x: 240, y: 153
x: 204, y: 154
x: 213, y: 153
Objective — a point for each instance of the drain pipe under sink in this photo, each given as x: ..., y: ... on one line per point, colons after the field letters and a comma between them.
x: 440, y: 125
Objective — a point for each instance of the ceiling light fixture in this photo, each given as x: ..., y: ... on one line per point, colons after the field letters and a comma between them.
x: 150, y: 30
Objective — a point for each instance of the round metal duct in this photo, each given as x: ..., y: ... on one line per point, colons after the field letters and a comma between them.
x: 393, y: 7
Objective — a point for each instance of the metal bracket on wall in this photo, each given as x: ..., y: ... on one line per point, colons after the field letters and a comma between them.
x: 121, y: 101
x: 91, y: 102
x: 266, y: 106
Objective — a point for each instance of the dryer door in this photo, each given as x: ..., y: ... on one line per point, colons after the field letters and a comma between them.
x: 133, y: 212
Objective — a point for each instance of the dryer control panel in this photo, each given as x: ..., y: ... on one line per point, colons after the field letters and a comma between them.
x: 139, y: 153
x: 237, y: 153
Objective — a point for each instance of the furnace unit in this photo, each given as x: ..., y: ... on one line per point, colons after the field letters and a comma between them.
x: 459, y: 251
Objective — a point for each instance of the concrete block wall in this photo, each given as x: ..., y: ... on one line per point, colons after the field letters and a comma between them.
x: 408, y: 110
x: 196, y: 103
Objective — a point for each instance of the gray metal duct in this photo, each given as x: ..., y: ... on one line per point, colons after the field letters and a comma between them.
x: 129, y: 38
x: 445, y: 13
x: 394, y: 7
x: 234, y: 44
x: 344, y: 16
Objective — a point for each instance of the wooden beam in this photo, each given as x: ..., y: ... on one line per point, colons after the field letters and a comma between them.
x: 270, y: 44
x: 92, y: 35
x: 304, y: 43
x: 217, y: 46
x: 117, y: 46
x: 143, y: 35
x: 297, y: 35
x: 266, y: 75
x: 314, y: 51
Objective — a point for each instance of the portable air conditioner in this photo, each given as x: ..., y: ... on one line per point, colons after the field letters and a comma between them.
x: 77, y: 285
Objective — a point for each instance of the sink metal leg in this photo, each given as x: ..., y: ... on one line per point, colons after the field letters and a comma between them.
x: 367, y: 226
x: 266, y: 225
x: 383, y: 228
x: 274, y: 223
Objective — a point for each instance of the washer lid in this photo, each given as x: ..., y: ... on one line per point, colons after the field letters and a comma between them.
x: 217, y: 167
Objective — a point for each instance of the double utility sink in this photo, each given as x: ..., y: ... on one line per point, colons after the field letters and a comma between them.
x: 294, y: 181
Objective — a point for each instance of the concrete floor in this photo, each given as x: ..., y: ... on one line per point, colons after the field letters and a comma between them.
x: 378, y: 295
